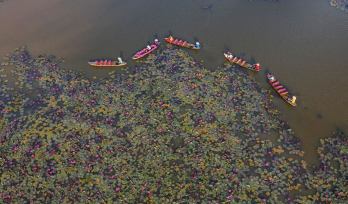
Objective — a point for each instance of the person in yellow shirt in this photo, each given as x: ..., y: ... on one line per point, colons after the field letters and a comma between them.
x: 293, y: 100
x: 171, y: 38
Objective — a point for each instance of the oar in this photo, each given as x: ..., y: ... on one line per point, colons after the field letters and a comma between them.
x: 297, y: 95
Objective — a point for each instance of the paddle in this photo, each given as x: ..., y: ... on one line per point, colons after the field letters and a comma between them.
x: 297, y: 95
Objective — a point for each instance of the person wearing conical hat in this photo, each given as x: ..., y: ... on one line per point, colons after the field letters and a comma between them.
x: 257, y: 66
x: 120, y: 60
x: 197, y: 45
x: 156, y: 42
x: 148, y: 47
x: 293, y: 100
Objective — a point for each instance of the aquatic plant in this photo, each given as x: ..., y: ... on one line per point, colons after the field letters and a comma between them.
x: 169, y: 132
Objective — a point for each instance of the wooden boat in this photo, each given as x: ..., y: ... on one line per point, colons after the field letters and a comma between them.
x: 182, y: 44
x: 240, y: 62
x: 107, y: 63
x: 145, y: 51
x: 280, y: 89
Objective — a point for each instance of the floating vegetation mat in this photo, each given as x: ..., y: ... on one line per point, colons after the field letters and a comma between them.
x: 169, y: 132
x: 340, y: 4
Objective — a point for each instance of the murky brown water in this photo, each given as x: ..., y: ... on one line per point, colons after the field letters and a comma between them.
x: 303, y: 43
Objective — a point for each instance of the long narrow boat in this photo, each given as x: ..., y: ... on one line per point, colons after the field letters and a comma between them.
x: 182, y: 43
x: 145, y: 51
x: 240, y: 62
x: 281, y: 90
x: 107, y: 63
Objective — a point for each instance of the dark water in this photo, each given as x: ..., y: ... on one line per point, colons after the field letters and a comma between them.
x: 303, y: 43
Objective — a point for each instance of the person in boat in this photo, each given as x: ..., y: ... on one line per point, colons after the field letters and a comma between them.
x: 229, y: 55
x: 257, y: 66
x: 293, y: 100
x: 156, y: 42
x: 120, y: 61
x: 271, y: 77
x: 197, y: 45
x: 170, y: 38
x: 148, y: 47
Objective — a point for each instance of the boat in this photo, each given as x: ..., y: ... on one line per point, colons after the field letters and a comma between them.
x: 280, y: 90
x: 182, y: 43
x: 145, y: 51
x: 242, y: 63
x: 107, y: 63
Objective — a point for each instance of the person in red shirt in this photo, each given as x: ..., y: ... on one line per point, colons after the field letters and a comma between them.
x: 257, y: 66
x: 170, y: 39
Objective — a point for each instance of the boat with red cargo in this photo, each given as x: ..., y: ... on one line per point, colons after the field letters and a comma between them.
x: 240, y: 62
x: 145, y: 51
x: 181, y: 43
x: 281, y: 90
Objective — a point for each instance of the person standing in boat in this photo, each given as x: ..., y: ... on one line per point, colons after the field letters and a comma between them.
x: 229, y: 55
x: 148, y: 47
x: 120, y: 61
x: 156, y: 42
x: 197, y: 45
